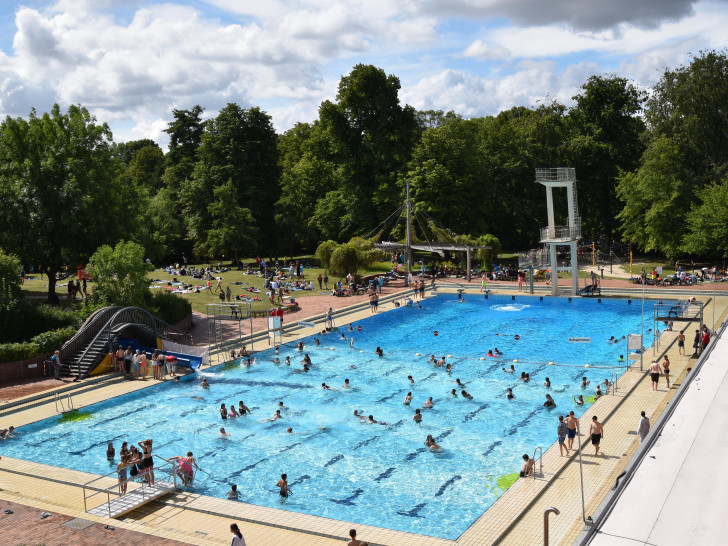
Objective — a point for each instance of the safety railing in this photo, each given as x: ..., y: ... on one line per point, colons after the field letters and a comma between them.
x: 556, y: 174
x: 613, y: 380
x: 144, y: 488
x: 562, y: 232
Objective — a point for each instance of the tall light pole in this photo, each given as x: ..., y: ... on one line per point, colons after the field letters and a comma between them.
x: 642, y: 334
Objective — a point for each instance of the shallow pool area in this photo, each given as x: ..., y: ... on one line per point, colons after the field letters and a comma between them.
x: 379, y: 474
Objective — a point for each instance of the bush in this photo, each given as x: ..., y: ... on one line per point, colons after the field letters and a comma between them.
x: 344, y: 260
x: 27, y: 320
x: 40, y: 344
x: 10, y: 352
x: 324, y: 251
x: 169, y: 307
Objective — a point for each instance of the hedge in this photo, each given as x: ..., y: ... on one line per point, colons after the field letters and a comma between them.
x: 40, y: 344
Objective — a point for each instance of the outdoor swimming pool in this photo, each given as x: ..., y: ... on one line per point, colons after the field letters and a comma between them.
x: 371, y: 474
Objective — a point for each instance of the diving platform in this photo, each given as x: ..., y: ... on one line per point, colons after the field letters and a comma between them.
x: 682, y: 311
x: 134, y: 498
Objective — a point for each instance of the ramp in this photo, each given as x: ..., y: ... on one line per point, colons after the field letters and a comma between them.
x: 132, y: 500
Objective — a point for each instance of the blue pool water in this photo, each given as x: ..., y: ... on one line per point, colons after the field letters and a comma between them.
x: 371, y: 474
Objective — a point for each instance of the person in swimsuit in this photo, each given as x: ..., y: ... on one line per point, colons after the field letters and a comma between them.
x: 184, y: 467
x: 655, y: 372
x: 584, y: 383
x: 418, y: 416
x: 561, y: 432
x: 431, y: 444
x: 597, y: 433
x: 204, y: 383
x: 547, y: 383
x: 666, y: 368
x: 579, y: 401
x: 428, y: 404
x: 571, y: 429
x: 223, y: 412
x: 509, y: 394
x: 408, y: 399
x: 147, y: 460
x: 232, y: 414
x: 242, y: 408
x: 528, y: 466
x: 121, y: 471
x: 110, y: 452
x: 466, y: 394
x: 283, y: 485
x: 549, y: 402
x: 681, y: 342
x: 412, y: 381
x: 379, y: 352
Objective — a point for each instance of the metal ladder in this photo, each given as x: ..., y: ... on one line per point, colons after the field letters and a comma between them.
x: 58, y: 399
x: 540, y: 462
x: 613, y: 380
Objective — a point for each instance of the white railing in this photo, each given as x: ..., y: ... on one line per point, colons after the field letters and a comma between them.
x: 68, y: 406
x: 562, y: 232
x: 558, y: 174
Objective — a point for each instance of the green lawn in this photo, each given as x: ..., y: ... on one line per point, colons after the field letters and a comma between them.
x: 38, y: 289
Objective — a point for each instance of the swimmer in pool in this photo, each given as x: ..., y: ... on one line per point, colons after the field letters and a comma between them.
x: 351, y: 327
x: 277, y: 415
x: 441, y: 362
x: 346, y: 384
x: 509, y: 394
x: 325, y: 387
x: 412, y: 381
x: 511, y: 370
x: 490, y: 353
x: 579, y: 401
x: 242, y: 408
x: 466, y: 394
x: 454, y: 393
x: 459, y: 383
x: 316, y: 341
x: 357, y: 414
x: 223, y: 433
x: 277, y: 361
x: 549, y: 402
x: 431, y: 444
x: 418, y: 416
x: 232, y: 414
x: 428, y: 404
x: 496, y: 351
x: 283, y: 485
x: 448, y: 368
x: 307, y: 359
x: 584, y: 383
x: 379, y: 352
x: 371, y: 421
x: 287, y: 362
x: 289, y: 430
x: 547, y: 383
x: 343, y: 337
x: 599, y: 392
x: 432, y: 359
x: 204, y: 383
x: 523, y: 376
x: 407, y: 399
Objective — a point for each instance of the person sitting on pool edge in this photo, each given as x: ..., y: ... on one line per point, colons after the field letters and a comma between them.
x: 528, y: 466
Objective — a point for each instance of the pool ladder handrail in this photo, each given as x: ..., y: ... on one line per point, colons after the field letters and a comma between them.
x: 108, y: 490
x: 613, y: 380
x: 58, y: 399
x: 540, y: 462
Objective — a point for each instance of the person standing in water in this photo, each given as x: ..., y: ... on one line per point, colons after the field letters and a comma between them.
x: 283, y: 485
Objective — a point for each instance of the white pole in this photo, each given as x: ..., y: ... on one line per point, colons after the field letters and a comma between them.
x: 581, y: 473
x: 642, y: 335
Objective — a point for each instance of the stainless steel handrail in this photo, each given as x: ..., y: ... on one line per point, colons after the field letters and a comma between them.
x: 546, y: 523
x: 540, y: 461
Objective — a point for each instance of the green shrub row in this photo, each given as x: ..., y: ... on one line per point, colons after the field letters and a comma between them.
x: 171, y: 308
x: 40, y: 344
x: 26, y: 320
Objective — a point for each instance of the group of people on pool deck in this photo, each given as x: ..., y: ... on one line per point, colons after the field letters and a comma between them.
x: 134, y: 462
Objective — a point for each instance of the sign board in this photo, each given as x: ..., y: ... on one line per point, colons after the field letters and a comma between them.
x: 274, y: 323
x: 579, y: 340
x: 306, y: 324
x: 659, y: 270
x: 32, y: 365
x: 634, y: 342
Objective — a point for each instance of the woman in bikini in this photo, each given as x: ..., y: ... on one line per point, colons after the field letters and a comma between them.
x: 147, y: 460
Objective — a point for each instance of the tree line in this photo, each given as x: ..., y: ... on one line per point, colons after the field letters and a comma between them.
x: 651, y: 167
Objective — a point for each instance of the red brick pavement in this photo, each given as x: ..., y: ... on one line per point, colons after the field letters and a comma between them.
x: 25, y: 526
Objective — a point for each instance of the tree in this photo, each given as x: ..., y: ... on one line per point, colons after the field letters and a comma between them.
x: 371, y: 137
x: 345, y: 260
x: 238, y: 146
x: 708, y: 222
x: 10, y: 293
x: 61, y: 189
x: 120, y: 274
x: 605, y: 139
x: 323, y: 253
x: 655, y: 196
x: 231, y: 228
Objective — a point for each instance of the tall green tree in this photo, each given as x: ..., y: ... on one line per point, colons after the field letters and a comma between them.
x: 371, y: 137
x: 239, y: 146
x: 605, y: 140
x: 120, y: 274
x: 61, y: 189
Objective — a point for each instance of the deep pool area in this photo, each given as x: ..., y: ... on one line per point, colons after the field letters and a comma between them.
x: 376, y: 474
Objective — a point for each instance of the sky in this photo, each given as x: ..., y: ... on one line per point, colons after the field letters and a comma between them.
x: 131, y: 62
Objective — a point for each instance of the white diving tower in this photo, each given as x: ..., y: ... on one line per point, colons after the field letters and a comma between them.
x: 553, y: 235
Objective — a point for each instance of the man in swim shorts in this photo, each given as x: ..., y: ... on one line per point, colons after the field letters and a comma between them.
x: 571, y: 429
x: 527, y: 468
x: 655, y: 372
x: 597, y: 433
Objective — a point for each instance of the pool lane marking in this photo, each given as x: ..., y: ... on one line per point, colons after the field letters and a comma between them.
x: 334, y: 460
x: 348, y: 501
x: 386, y: 474
x: 389, y: 397
x: 365, y: 442
x: 491, y: 447
x: 447, y: 484
x: 129, y: 413
x: 414, y: 513
x: 472, y: 414
x: 103, y: 442
x: 288, y: 448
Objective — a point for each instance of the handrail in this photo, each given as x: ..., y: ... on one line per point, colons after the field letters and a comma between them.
x: 540, y: 461
x: 85, y: 332
x: 546, y: 523
x: 615, y: 378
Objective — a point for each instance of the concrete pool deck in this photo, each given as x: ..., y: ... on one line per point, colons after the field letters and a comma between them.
x: 516, y: 518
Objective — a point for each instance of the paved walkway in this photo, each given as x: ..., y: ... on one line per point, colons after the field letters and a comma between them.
x: 677, y: 495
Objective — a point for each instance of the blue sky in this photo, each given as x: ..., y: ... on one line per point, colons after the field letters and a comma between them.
x: 131, y: 61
